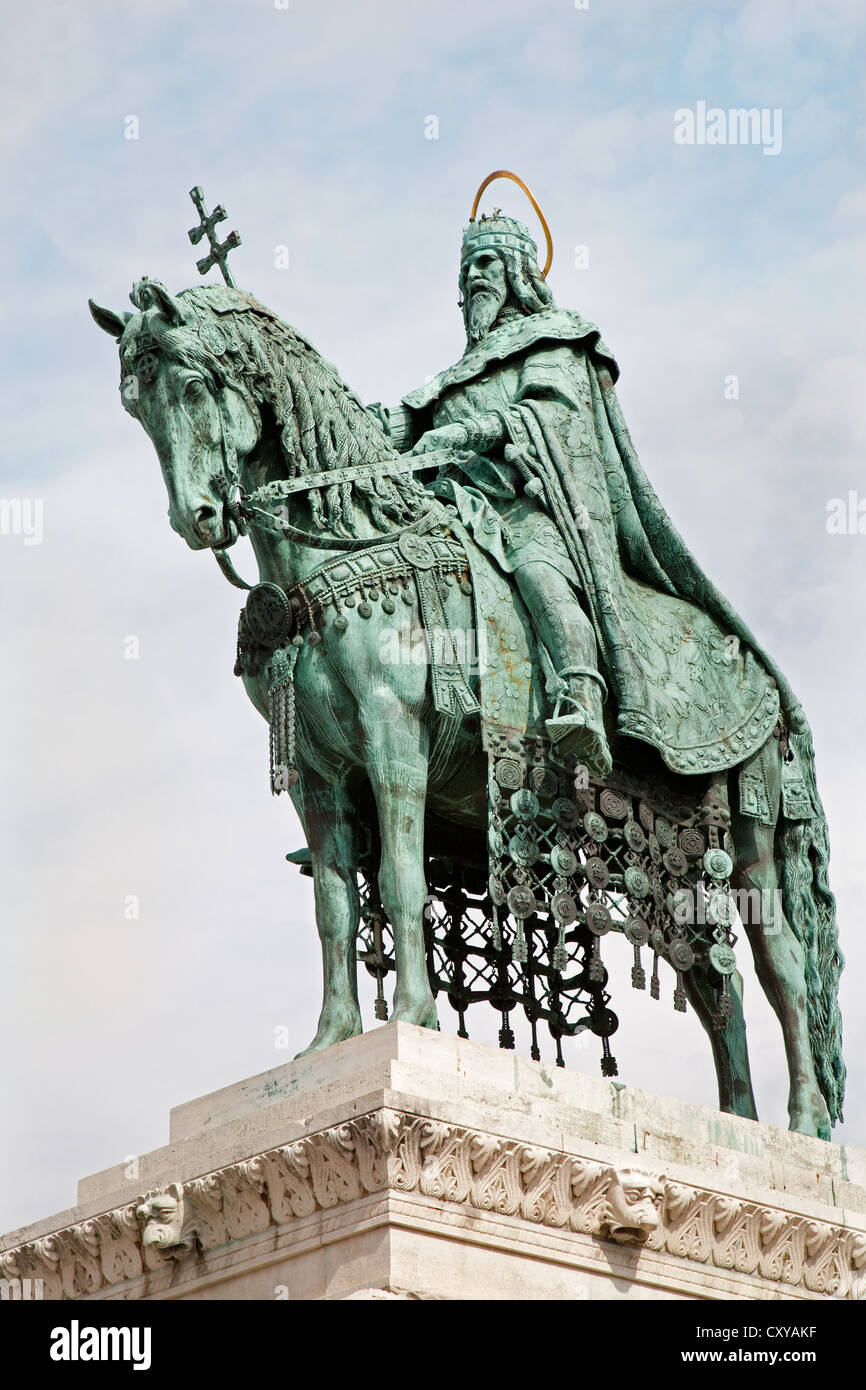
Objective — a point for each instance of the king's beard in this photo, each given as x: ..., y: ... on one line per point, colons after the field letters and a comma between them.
x: 485, y: 306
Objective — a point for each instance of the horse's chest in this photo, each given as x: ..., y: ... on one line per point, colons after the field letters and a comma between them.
x: 323, y: 714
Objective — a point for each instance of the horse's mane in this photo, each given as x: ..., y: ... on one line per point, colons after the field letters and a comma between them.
x: 321, y: 423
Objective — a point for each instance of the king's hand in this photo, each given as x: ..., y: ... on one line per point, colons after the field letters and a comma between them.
x: 445, y: 437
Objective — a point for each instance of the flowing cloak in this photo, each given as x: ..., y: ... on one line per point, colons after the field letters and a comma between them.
x: 686, y: 673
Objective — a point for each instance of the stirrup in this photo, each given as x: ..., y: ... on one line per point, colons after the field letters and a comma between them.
x: 575, y: 733
x: 589, y: 671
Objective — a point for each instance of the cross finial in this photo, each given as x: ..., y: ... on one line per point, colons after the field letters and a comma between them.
x: 218, y: 253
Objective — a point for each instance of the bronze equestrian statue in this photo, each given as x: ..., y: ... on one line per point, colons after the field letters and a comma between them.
x: 625, y: 757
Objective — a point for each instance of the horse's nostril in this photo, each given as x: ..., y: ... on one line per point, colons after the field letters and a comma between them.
x: 204, y: 515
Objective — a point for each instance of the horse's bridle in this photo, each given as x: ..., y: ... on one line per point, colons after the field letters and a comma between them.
x: 231, y: 478
x: 244, y: 513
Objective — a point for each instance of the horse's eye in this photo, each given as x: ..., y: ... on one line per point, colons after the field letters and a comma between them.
x: 195, y: 389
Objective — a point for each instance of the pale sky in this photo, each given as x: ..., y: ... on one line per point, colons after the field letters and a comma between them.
x: 149, y: 777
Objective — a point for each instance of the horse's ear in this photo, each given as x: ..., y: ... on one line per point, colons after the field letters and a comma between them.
x: 153, y: 294
x: 168, y: 306
x: 108, y: 320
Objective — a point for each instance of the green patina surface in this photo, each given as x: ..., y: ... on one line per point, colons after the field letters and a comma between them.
x: 505, y: 498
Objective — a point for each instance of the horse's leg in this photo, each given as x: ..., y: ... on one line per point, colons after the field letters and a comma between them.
x: 330, y: 823
x: 730, y: 1053
x: 396, y: 752
x: 780, y: 962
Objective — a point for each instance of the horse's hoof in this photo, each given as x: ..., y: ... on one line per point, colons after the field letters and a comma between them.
x: 812, y: 1121
x: 423, y: 1016
x: 333, y: 1033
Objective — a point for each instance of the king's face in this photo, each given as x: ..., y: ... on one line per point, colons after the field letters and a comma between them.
x: 485, y: 292
x: 484, y: 273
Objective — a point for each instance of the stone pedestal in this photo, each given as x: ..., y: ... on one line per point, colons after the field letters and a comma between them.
x: 410, y: 1164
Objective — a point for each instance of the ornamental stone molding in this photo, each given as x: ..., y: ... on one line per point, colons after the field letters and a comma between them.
x: 389, y: 1152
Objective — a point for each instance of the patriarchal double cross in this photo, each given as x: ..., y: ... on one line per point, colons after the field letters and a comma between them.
x: 207, y: 227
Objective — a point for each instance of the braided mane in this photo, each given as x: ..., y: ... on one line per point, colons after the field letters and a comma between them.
x: 322, y: 424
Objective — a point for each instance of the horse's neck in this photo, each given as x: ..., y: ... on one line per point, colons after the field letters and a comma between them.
x: 280, y: 560
x: 284, y: 561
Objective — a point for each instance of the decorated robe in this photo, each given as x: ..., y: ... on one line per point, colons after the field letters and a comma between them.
x: 565, y: 485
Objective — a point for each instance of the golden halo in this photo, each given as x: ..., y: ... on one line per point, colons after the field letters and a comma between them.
x: 507, y: 174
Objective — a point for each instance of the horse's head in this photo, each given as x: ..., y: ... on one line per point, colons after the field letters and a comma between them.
x: 176, y: 378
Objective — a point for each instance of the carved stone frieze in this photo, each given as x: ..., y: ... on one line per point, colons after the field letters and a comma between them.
x: 392, y: 1151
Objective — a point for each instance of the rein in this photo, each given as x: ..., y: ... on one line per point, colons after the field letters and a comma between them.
x: 232, y: 474
x: 268, y: 522
x: 245, y: 513
x: 229, y: 570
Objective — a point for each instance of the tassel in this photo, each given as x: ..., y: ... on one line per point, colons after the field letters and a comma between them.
x: 724, y: 1006
x: 595, y: 969
x: 495, y: 929
x: 559, y: 954
x: 281, y: 708
x: 519, y: 949
x: 638, y: 974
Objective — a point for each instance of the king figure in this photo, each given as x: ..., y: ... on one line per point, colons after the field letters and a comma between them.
x: 552, y: 488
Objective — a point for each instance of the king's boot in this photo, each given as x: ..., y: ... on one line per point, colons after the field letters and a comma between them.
x: 577, y: 723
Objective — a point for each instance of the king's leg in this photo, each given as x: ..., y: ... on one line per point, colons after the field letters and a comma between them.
x: 577, y: 725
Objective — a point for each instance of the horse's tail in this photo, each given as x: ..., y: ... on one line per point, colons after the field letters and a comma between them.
x: 803, y: 855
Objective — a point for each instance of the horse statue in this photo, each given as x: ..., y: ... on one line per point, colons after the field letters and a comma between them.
x: 426, y: 766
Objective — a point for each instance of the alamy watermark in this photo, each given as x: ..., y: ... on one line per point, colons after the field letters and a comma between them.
x: 713, y: 125
x: 22, y: 516
x: 21, y: 1290
x: 415, y: 646
x: 846, y: 517
x: 756, y: 907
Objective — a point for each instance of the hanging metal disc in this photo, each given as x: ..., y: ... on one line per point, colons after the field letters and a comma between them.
x: 564, y: 908
x: 675, y: 862
x: 636, y: 882
x: 613, y: 804
x: 635, y: 837
x: 563, y: 861
x: 680, y: 954
x: 595, y: 826
x: 692, y: 843
x: 268, y: 615
x: 604, y: 1023
x: 521, y: 901
x: 722, y: 958
x: 598, y: 919
x: 508, y: 774
x: 564, y: 812
x: 721, y: 909
x: 664, y: 832
x: 637, y: 931
x: 597, y: 872
x: 497, y: 891
x: 718, y: 864
x: 524, y: 805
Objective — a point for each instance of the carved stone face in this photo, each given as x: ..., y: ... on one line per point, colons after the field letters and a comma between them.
x: 485, y: 292
x: 634, y: 1199
x: 161, y: 1214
